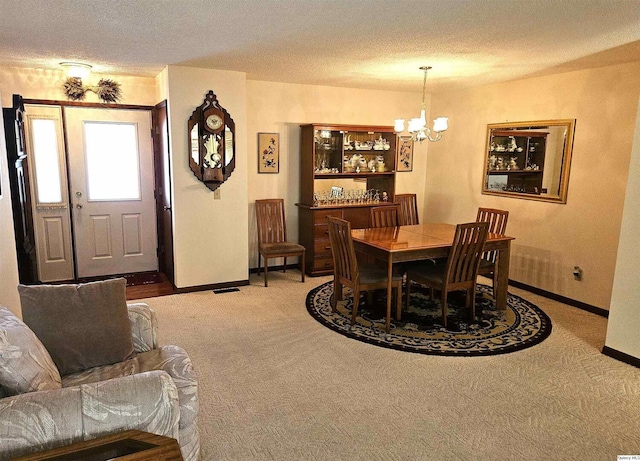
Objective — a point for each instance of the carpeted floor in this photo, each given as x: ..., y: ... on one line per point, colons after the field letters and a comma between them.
x: 277, y: 385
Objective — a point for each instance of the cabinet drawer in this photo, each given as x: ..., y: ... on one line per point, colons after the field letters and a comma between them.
x: 322, y: 247
x: 323, y: 263
x: 321, y: 232
x: 320, y: 217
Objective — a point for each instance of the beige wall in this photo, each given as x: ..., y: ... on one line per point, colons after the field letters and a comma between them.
x: 47, y: 84
x: 623, y: 328
x: 282, y: 108
x: 210, y: 236
x: 550, y: 238
x: 8, y: 259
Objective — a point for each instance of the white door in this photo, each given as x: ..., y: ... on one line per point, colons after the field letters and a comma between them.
x: 112, y: 190
x: 49, y: 192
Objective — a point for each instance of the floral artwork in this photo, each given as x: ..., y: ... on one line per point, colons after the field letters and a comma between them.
x: 268, y: 152
x: 405, y: 155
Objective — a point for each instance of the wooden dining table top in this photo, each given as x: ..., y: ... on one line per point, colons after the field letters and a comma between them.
x: 416, y: 237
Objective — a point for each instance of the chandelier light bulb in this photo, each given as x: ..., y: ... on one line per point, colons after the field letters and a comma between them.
x: 440, y: 124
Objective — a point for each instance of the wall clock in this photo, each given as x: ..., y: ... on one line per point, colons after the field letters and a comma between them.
x: 211, y: 139
x: 214, y: 122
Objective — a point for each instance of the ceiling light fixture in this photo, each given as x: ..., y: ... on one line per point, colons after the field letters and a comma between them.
x: 76, y: 69
x: 418, y: 126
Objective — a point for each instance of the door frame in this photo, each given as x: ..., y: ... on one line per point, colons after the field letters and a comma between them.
x: 163, y: 189
x: 157, y: 163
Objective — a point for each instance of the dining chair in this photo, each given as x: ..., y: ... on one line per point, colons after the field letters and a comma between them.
x: 384, y: 216
x: 497, y: 220
x: 272, y: 236
x: 357, y: 275
x: 408, y: 209
x: 460, y: 270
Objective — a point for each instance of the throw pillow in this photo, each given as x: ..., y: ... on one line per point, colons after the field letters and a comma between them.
x: 82, y: 326
x: 25, y: 364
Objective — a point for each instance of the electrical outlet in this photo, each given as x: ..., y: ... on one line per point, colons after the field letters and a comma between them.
x: 577, y: 273
x: 216, y: 194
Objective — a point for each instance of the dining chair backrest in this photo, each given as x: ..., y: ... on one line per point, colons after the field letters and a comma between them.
x: 408, y: 209
x: 345, y: 264
x: 497, y: 220
x: 384, y: 216
x: 270, y: 221
x: 464, y: 259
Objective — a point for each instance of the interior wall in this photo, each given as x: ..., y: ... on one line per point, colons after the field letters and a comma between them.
x: 47, y: 84
x: 283, y: 107
x: 8, y: 258
x: 623, y: 328
x: 210, y: 235
x: 550, y: 238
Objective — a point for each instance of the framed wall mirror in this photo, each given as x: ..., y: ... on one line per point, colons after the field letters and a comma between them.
x: 529, y: 160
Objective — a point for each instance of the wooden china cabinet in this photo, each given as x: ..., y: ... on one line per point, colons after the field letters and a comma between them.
x: 344, y: 171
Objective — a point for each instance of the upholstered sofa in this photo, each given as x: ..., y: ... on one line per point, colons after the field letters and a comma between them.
x: 154, y: 388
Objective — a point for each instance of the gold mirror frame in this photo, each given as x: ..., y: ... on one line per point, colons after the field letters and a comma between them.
x: 529, y: 160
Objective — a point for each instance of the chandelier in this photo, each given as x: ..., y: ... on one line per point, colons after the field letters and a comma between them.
x: 418, y: 126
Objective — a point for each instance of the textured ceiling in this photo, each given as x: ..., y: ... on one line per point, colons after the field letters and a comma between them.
x: 376, y: 44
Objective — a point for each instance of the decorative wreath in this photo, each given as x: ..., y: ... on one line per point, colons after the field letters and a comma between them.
x: 107, y: 90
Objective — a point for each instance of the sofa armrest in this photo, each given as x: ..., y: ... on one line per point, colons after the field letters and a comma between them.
x: 43, y: 420
x: 144, y: 327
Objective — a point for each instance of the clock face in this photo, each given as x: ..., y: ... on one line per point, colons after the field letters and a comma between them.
x: 214, y: 122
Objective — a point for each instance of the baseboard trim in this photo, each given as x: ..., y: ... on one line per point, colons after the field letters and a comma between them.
x: 621, y: 356
x: 571, y: 302
x: 213, y: 286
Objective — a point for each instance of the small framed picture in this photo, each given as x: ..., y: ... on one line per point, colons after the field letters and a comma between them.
x: 268, y: 152
x: 405, y: 155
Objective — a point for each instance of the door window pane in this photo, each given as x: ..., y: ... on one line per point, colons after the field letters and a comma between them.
x: 111, y: 151
x: 47, y: 160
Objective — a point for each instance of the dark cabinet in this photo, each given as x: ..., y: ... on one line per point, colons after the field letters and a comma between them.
x: 344, y: 171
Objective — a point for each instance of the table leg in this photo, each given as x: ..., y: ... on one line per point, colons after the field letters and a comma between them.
x: 504, y: 255
x: 389, y: 281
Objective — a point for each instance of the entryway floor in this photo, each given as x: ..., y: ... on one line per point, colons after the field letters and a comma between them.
x: 148, y: 285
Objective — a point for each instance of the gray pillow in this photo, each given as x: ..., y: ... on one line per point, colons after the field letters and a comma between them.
x: 82, y: 326
x: 25, y: 365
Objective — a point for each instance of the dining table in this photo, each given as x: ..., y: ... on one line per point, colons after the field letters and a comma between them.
x: 427, y: 241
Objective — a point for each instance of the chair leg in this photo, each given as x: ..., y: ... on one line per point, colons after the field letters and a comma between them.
x: 285, y: 264
x: 445, y: 308
x: 302, y: 263
x: 406, y: 301
x: 399, y: 302
x: 259, y: 264
x: 266, y: 272
x: 472, y: 293
x: 356, y: 301
x: 337, y: 295
x: 468, y: 303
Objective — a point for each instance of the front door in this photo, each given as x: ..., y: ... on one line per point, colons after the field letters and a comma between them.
x: 111, y: 175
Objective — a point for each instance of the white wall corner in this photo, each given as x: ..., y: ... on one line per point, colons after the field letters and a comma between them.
x: 623, y: 328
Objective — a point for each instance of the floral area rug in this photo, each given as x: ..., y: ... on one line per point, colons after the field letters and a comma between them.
x: 420, y: 330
